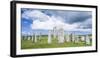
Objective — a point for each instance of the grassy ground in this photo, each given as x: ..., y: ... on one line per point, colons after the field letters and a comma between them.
x: 42, y: 43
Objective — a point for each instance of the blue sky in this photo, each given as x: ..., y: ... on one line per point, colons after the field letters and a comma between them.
x: 42, y: 20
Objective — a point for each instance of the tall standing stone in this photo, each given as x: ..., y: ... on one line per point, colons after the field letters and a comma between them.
x: 35, y: 38
x: 39, y: 36
x: 76, y: 38
x: 73, y: 37
x: 61, y: 35
x: 54, y: 32
x: 67, y: 38
x: 26, y: 38
x: 29, y: 36
x: 32, y: 38
x: 49, y: 37
x: 82, y: 38
x: 87, y: 39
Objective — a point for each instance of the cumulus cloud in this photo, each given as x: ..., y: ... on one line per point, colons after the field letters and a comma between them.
x: 86, y: 24
x: 70, y: 16
x: 70, y: 20
x: 52, y: 22
x: 35, y: 14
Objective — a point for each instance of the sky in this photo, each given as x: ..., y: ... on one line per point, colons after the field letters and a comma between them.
x: 42, y: 20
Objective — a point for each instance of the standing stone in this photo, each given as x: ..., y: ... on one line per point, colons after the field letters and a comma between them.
x: 61, y: 36
x: 54, y: 32
x: 35, y: 38
x: 25, y: 37
x: 73, y: 37
x: 32, y: 38
x: 49, y: 37
x: 87, y: 39
x: 82, y: 38
x: 76, y: 39
x: 28, y: 36
x: 67, y: 38
x: 39, y: 36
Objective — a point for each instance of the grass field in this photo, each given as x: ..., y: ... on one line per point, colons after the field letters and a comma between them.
x: 43, y: 43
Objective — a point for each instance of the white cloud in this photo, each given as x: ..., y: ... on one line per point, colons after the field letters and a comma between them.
x: 52, y: 22
x: 35, y: 14
x: 43, y: 21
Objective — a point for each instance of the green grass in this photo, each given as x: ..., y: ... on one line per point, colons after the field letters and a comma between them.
x: 42, y: 43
